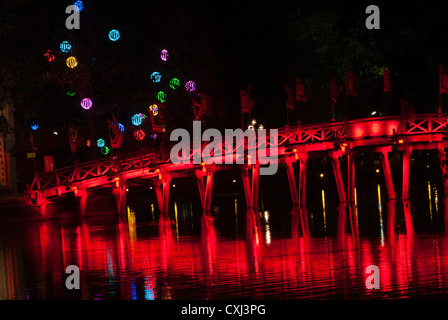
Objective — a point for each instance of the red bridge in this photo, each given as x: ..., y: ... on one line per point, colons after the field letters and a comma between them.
x: 295, y: 144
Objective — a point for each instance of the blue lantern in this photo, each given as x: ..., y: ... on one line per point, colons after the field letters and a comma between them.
x: 121, y: 127
x: 155, y: 76
x: 34, y: 126
x: 100, y: 143
x: 79, y: 6
x: 136, y: 119
x: 114, y: 35
x: 65, y: 46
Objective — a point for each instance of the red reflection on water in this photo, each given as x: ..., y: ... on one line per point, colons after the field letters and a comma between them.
x: 121, y: 261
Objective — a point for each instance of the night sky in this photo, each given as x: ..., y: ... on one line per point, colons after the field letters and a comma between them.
x: 223, y: 47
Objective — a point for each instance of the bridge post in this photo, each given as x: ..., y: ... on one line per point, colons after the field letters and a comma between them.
x: 162, y: 188
x: 205, y: 190
x: 390, y: 191
x: 292, y: 183
x: 405, y: 190
x: 302, y: 194
x: 444, y: 169
x: 342, y: 209
x: 250, y: 189
x: 120, y: 199
x: 351, y: 194
x: 82, y: 195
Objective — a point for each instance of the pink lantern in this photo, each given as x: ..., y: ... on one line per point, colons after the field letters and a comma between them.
x: 190, y: 86
x: 164, y: 55
x: 86, y: 103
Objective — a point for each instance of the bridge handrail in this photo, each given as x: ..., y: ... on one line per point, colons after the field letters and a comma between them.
x: 298, y: 134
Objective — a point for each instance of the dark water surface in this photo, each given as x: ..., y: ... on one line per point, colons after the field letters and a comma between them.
x: 122, y: 258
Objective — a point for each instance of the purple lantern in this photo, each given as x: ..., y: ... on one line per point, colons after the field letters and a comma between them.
x: 86, y: 103
x: 190, y: 86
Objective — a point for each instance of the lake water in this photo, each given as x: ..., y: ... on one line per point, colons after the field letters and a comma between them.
x: 143, y: 257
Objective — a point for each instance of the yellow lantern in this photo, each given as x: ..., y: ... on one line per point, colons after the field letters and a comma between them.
x: 71, y: 62
x: 154, y: 109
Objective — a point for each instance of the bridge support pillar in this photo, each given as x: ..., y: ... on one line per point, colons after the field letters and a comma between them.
x: 205, y: 190
x: 405, y: 192
x: 42, y: 204
x: 352, y: 194
x: 162, y: 188
x: 444, y: 169
x: 297, y: 208
x: 120, y: 199
x: 342, y: 209
x: 82, y: 195
x: 251, y: 190
x: 390, y: 191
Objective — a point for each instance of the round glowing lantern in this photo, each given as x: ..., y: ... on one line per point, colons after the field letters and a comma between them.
x: 100, y: 143
x: 161, y: 96
x: 70, y: 93
x: 78, y: 6
x: 121, y: 127
x: 71, y: 62
x: 154, y: 109
x: 164, y: 55
x: 174, y: 83
x: 137, y: 119
x: 34, y: 126
x: 114, y: 35
x: 49, y: 55
x: 190, y: 86
x: 139, y: 134
x: 155, y: 76
x: 105, y: 150
x: 86, y: 103
x: 65, y: 46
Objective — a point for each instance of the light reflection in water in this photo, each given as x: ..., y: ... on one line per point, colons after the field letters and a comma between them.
x: 159, y: 263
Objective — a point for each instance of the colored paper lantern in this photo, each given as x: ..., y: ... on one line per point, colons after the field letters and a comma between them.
x: 49, y: 55
x: 71, y: 62
x: 155, y: 76
x: 139, y: 134
x: 114, y: 35
x: 161, y: 96
x: 65, y: 46
x: 154, y: 109
x: 105, y: 150
x: 34, y: 126
x: 190, y: 86
x: 137, y: 119
x: 86, y: 103
x: 121, y: 127
x: 100, y: 143
x: 79, y: 6
x: 154, y: 136
x: 70, y: 93
x: 164, y: 55
x: 174, y: 83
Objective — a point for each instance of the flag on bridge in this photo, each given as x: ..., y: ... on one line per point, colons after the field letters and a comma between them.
x: 289, y: 98
x: 443, y: 80
x: 301, y: 94
x: 247, y: 100
x: 115, y: 133
x: 350, y: 89
x: 73, y: 136
x: 334, y: 90
x: 387, y: 85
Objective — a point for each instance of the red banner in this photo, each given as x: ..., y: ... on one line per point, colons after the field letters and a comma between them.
x: 387, y: 86
x: 334, y: 90
x: 247, y: 100
x: 443, y: 80
x: 289, y: 98
x: 301, y: 94
x: 73, y: 136
x: 351, y: 85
